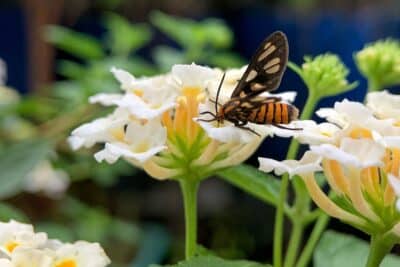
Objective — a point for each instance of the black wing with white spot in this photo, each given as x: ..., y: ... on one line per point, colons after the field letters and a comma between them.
x: 266, y: 67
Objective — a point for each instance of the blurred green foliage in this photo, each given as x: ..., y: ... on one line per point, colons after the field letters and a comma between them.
x: 205, y: 42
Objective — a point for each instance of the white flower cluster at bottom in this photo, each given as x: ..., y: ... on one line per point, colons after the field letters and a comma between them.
x: 20, y: 246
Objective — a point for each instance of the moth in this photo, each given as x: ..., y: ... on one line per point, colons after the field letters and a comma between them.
x: 263, y: 74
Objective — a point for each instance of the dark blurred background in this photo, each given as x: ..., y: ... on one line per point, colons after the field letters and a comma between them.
x: 228, y: 221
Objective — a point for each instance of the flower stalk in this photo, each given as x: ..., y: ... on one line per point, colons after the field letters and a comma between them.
x: 380, y: 245
x: 189, y: 189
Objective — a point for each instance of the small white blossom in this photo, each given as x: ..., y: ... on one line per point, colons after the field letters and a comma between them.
x: 14, y: 234
x: 309, y: 163
x: 309, y: 132
x: 192, y: 76
x: 360, y: 153
x: 24, y: 257
x: 384, y: 104
x: 44, y: 178
x: 81, y: 253
x: 110, y: 128
x: 141, y: 142
x: 349, y: 115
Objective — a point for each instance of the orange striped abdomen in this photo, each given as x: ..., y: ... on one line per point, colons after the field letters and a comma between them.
x: 274, y: 113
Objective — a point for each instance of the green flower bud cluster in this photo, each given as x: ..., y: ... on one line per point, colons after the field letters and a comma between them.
x: 379, y: 62
x: 325, y: 75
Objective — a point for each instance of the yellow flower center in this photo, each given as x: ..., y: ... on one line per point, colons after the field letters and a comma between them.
x: 142, y: 147
x: 11, y: 246
x: 138, y: 92
x: 67, y: 263
x: 181, y: 122
x: 360, y: 133
x: 118, y: 134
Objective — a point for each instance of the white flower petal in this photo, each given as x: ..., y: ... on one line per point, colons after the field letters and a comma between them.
x: 141, y: 109
x: 112, y: 152
x: 76, y: 142
x: 359, y: 153
x: 105, y: 99
x: 309, y: 163
x: 288, y: 97
x: 387, y: 141
x: 142, y: 141
x: 125, y: 78
x: 384, y: 104
x: 6, y: 263
x: 193, y: 75
x: 395, y: 183
x: 32, y: 257
x: 82, y: 253
x: 349, y: 114
x: 226, y: 134
x: 152, y: 133
x: 99, y: 130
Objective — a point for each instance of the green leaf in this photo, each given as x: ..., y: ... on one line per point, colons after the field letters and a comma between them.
x: 75, y: 43
x: 16, y: 161
x: 212, y: 261
x: 8, y: 212
x: 226, y: 60
x: 56, y: 230
x: 165, y: 57
x: 70, y: 69
x: 253, y: 181
x: 340, y: 250
x: 124, y: 37
x: 183, y: 31
x: 217, y: 33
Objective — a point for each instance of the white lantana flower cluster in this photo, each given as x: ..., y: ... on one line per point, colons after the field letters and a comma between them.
x: 358, y: 149
x: 47, y: 180
x: 155, y: 126
x: 20, y: 246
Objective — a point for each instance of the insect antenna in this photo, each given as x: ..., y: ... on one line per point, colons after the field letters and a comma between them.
x: 215, y: 102
x: 219, y: 89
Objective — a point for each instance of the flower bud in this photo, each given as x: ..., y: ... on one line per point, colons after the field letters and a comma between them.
x: 325, y: 75
x: 379, y: 63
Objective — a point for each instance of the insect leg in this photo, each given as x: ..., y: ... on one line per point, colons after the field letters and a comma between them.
x: 248, y: 129
x: 215, y: 102
x: 287, y: 128
x: 207, y: 112
x: 208, y: 120
x: 241, y: 125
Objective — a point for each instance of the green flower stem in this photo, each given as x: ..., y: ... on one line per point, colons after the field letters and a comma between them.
x: 279, y: 217
x: 379, y: 247
x: 278, y: 227
x: 374, y: 85
x: 308, y: 250
x: 295, y: 240
x: 189, y: 191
